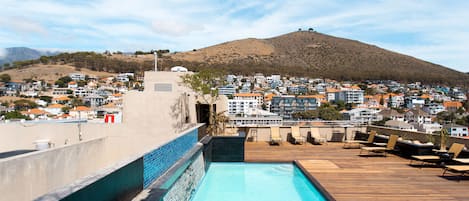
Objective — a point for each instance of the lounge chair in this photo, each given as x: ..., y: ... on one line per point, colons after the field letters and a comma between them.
x: 350, y: 143
x: 389, y: 146
x: 463, y: 169
x: 315, y: 137
x: 453, y: 152
x: 275, y: 137
x: 296, y: 135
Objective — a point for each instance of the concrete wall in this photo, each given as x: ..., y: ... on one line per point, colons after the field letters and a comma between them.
x: 150, y: 119
x: 14, y: 136
x: 28, y: 176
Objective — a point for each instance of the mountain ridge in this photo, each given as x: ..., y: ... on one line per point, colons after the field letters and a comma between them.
x: 316, y: 54
x: 13, y: 54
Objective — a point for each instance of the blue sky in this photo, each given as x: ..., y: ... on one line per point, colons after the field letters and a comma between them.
x: 436, y: 31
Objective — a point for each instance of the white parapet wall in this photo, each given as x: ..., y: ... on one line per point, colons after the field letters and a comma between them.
x: 28, y: 176
x: 150, y: 118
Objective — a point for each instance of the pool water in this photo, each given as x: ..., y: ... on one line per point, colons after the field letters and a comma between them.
x: 255, y: 182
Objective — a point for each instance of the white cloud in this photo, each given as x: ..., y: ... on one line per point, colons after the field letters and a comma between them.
x: 174, y: 28
x: 24, y: 25
x: 185, y: 25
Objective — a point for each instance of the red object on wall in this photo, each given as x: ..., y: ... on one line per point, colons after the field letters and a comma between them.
x: 109, y: 118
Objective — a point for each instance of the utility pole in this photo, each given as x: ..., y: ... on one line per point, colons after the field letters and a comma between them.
x: 156, y: 60
x: 80, y: 138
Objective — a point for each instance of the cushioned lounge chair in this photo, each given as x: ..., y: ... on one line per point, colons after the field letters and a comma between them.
x: 453, y: 152
x: 389, y: 146
x: 315, y: 136
x: 296, y: 135
x: 351, y: 143
x: 275, y: 137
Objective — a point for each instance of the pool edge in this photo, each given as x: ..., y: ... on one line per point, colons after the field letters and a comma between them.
x: 315, y: 182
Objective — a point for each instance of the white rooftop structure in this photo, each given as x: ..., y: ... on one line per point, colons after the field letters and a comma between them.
x: 178, y: 69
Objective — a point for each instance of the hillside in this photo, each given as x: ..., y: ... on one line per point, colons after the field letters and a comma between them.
x: 316, y: 55
x: 48, y: 73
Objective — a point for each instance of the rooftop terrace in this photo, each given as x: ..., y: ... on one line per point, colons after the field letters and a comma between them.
x: 347, y: 176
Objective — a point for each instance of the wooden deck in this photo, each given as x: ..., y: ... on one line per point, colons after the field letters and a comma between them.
x: 347, y: 176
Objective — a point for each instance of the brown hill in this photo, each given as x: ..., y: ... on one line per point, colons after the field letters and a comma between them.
x: 315, y: 55
x: 49, y: 73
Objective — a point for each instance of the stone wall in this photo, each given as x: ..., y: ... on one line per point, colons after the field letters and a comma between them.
x: 185, y: 186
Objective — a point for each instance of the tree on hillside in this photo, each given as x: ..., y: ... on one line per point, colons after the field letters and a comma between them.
x: 63, y: 81
x: 48, y: 99
x: 5, y: 78
x: 15, y: 115
x: 24, y: 104
x: 205, y: 84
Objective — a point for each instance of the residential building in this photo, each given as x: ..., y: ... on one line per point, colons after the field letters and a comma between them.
x: 35, y: 113
x: 429, y: 127
x: 285, y: 106
x: 452, y: 106
x: 400, y: 125
x: 417, y: 115
x: 347, y: 94
x: 64, y: 100
x: 433, y: 108
x: 414, y: 101
x: 82, y: 112
x: 351, y: 95
x: 456, y: 130
x: 54, y: 109
x: 94, y: 100
x: 124, y: 77
x: 363, y: 115
x: 226, y: 90
x: 331, y: 94
x: 395, y: 100
x: 77, y: 76
x: 82, y: 92
x: 256, y: 117
x: 61, y: 91
x: 250, y: 96
x: 241, y: 106
x: 72, y: 85
x: 392, y: 114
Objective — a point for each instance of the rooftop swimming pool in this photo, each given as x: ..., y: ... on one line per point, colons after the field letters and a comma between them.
x: 255, y: 182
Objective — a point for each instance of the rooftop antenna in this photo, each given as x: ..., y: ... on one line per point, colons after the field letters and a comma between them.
x: 156, y: 61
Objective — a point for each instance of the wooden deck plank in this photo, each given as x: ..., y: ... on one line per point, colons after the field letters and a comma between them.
x: 347, y: 176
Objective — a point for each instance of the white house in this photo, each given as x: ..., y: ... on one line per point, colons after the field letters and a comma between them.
x: 400, y: 125
x: 250, y: 96
x: 241, y: 106
x: 362, y: 115
x: 54, y: 109
x: 428, y: 127
x: 77, y: 76
x: 456, y: 130
x: 417, y: 115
